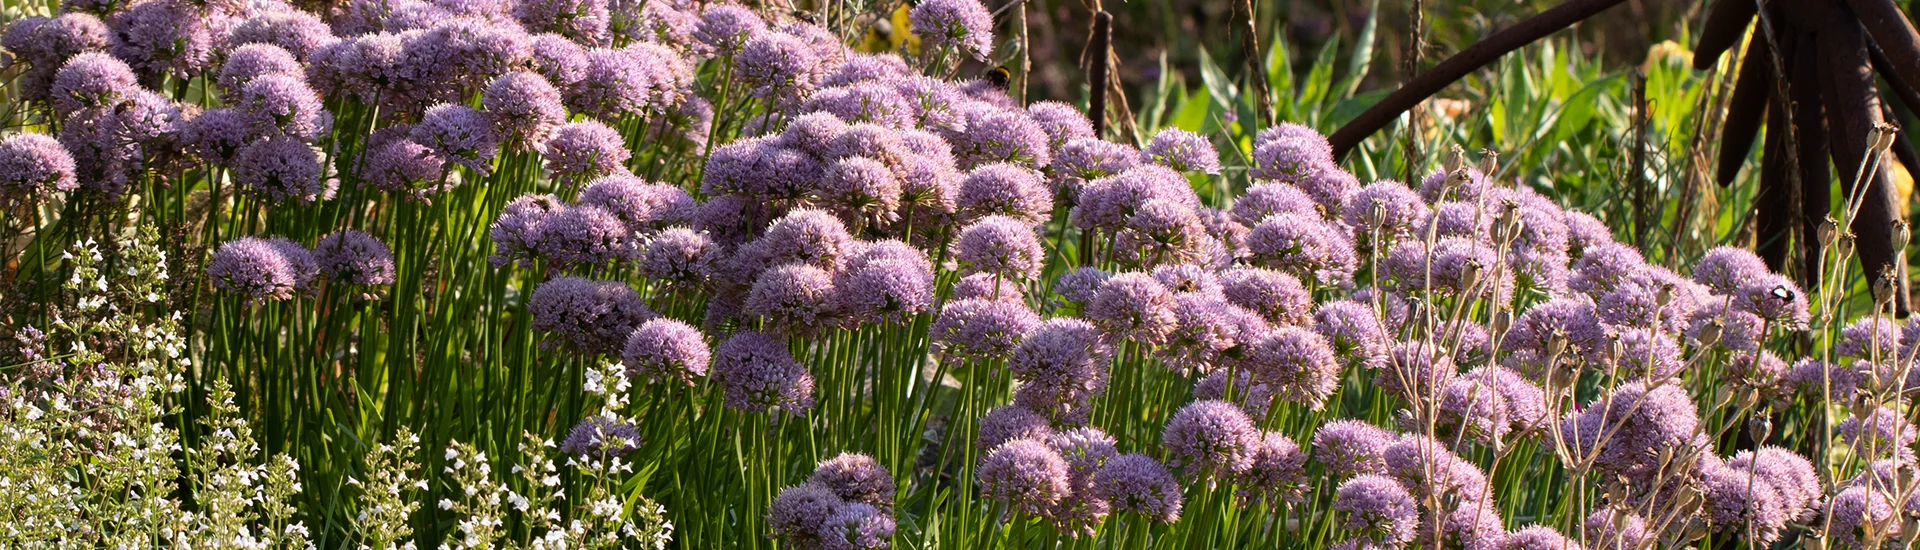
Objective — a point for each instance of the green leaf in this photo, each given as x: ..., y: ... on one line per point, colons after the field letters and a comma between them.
x: 1193, y: 112
x: 1280, y: 77
x: 1320, y: 80
x: 1219, y: 86
x: 1362, y: 58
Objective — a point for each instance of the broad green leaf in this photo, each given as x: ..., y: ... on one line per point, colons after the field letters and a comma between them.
x: 1219, y: 86
x: 1362, y: 57
x: 1320, y: 79
x: 1193, y: 112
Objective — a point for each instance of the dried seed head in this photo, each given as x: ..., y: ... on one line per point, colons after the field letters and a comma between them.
x: 1883, y: 287
x: 1470, y: 275
x: 1489, y: 162
x: 1376, y: 216
x: 1845, y: 245
x: 1829, y: 229
x: 1902, y: 233
x: 1710, y: 332
x: 1664, y: 295
x: 1456, y: 158
x: 1760, y: 427
x: 1883, y: 135
x: 1502, y: 320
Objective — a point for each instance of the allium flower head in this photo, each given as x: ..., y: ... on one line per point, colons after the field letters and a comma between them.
x: 725, y: 28
x: 1567, y: 326
x: 562, y: 61
x: 662, y: 350
x: 864, y: 102
x: 981, y: 329
x: 1184, y: 151
x: 1377, y: 509
x: 1585, y: 231
x: 1643, y: 423
x: 1063, y: 122
x: 459, y: 134
x: 592, y: 316
x: 862, y: 189
x: 1836, y: 381
x: 524, y: 106
x: 516, y: 233
x: 1386, y: 204
x: 1002, y: 246
x: 1605, y: 267
x: 298, y: 32
x: 33, y: 167
x: 1855, y: 508
x: 1270, y: 199
x: 1354, y: 331
x: 253, y: 268
x: 1086, y: 451
x: 1305, y: 247
x: 1725, y: 269
x: 1278, y: 473
x: 585, y: 236
x: 1872, y: 338
x: 758, y: 374
x: 987, y: 286
x: 792, y: 298
x: 1206, y: 325
x: 935, y: 103
x: 252, y: 60
x: 798, y: 512
x: 857, y: 526
x: 1108, y: 203
x: 1472, y: 409
x: 1005, y: 189
x: 1739, y: 502
x: 1883, y: 432
x: 1011, y: 422
x: 598, y: 435
x: 281, y: 169
x: 863, y: 67
x: 1539, y: 537
x: 283, y: 103
x: 1785, y: 471
x: 92, y: 79
x: 1352, y: 447
x: 1083, y: 159
x: 1133, y: 306
x: 1211, y: 438
x: 777, y: 66
x: 1298, y: 364
x: 996, y: 135
x: 807, y: 236
x: 626, y: 81
x: 1138, y: 484
x: 1082, y: 284
x: 583, y: 21
x: 1776, y: 299
x: 1239, y: 388
x: 884, y: 290
x: 640, y: 205
x: 353, y: 257
x: 856, y: 477
x: 1025, y: 474
x: 963, y: 25
x: 166, y: 37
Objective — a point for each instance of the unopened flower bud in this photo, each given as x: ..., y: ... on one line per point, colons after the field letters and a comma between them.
x: 1502, y: 321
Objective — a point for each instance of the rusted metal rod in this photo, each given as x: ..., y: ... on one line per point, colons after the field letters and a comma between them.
x: 1454, y: 68
x: 1744, y: 111
x: 1853, y: 111
x: 1725, y: 23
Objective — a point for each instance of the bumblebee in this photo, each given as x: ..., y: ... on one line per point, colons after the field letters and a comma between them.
x: 999, y: 77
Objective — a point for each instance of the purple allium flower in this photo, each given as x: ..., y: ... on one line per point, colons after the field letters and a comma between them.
x: 1427, y: 468
x: 758, y: 375
x: 583, y: 21
x: 1564, y: 327
x: 1063, y: 352
x: 47, y: 43
x: 1616, y: 528
x: 1025, y: 474
x: 394, y: 163
x: 1063, y: 123
x: 525, y: 107
x: 281, y: 169
x: 458, y: 56
x: 592, y: 316
x: 1211, y: 438
x: 1162, y: 230
x: 666, y: 349
x: 803, y: 235
x: 1107, y: 203
x: 1188, y: 278
x: 935, y: 103
x: 863, y: 67
x: 683, y: 126
x: 857, y: 526
x: 33, y: 167
x: 1354, y: 331
x: 1787, y: 472
x: 1871, y: 338
x: 562, y: 61
x: 1184, y: 151
x: 585, y: 150
x: 884, y: 290
x: 516, y: 233
x: 981, y: 329
x: 1139, y: 484
x: 1251, y: 396
x: 599, y: 435
x: 353, y: 257
x: 662, y: 22
x: 1626, y: 431
x: 254, y: 268
x: 1585, y: 231
x: 1001, y: 246
x: 1539, y: 537
x: 1851, y: 512
x: 996, y: 135
x: 1835, y: 382
x: 1330, y: 187
x: 621, y: 82
x: 1086, y: 451
x: 458, y: 134
x: 1472, y: 409
x: 584, y: 236
x: 1298, y: 364
x: 1605, y: 267
x: 797, y: 514
x: 874, y: 103
x: 1775, y: 299
x: 1461, y: 219
x: 1649, y: 354
x: 792, y: 298
x: 1352, y: 447
x: 890, y: 250
x: 1765, y: 373
x: 283, y: 103
x: 1205, y: 326
x: 1739, y: 502
x: 252, y: 60
x: 1289, y: 152
x: 856, y: 477
x: 760, y: 169
x: 1081, y: 285
x: 1883, y: 432
x: 1416, y: 370
x: 165, y: 37
x: 1526, y: 402
x: 1269, y: 199
x: 861, y: 189
x: 1304, y: 247
x: 1378, y: 510
x: 1005, y: 189
x: 1278, y: 473
x: 92, y: 79
x: 1725, y: 269
x: 1083, y: 159
x: 963, y: 25
x: 1387, y: 205
x: 778, y: 66
x: 987, y: 286
x: 724, y: 29
x: 298, y: 32
x: 1133, y: 306
x: 368, y: 68
x: 1011, y: 422
x: 640, y: 205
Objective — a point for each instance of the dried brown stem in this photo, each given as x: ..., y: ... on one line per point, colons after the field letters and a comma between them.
x: 1098, y: 69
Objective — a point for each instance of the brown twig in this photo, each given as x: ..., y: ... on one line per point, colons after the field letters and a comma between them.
x: 1256, y: 76
x: 1097, y: 70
